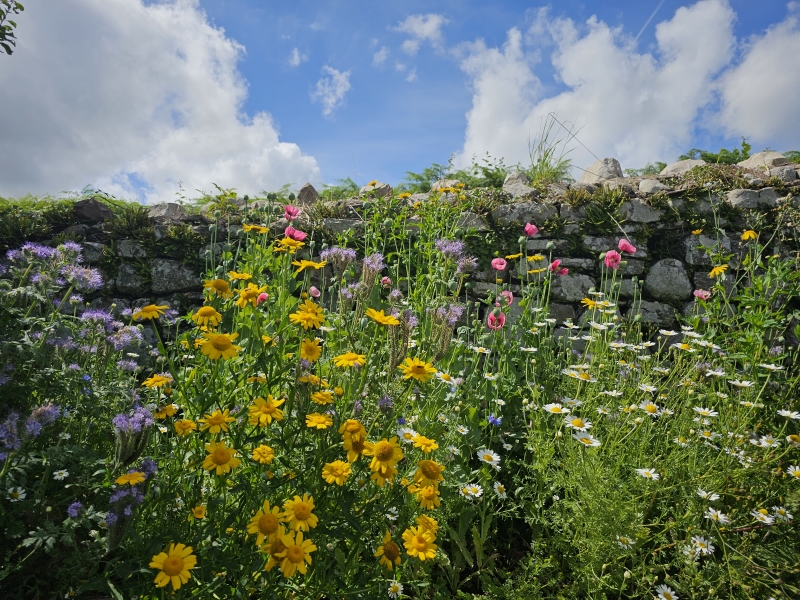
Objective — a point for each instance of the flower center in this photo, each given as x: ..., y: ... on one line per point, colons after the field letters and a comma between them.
x: 357, y: 445
x: 577, y: 422
x: 276, y: 547
x: 391, y: 551
x: 215, y: 420
x: 336, y: 470
x: 173, y: 565
x: 488, y: 457
x: 419, y: 543
x: 295, y: 554
x: 384, y: 451
x: 221, y: 456
x: 352, y: 428
x: 221, y: 343
x: 267, y: 408
x: 429, y: 469
x: 268, y: 524
x: 651, y: 408
x: 301, y: 510
x: 428, y: 493
x: 206, y: 311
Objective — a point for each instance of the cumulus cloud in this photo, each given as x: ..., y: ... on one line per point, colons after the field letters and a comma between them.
x: 422, y: 28
x: 330, y: 91
x: 296, y: 58
x: 133, y: 98
x: 412, y: 75
x: 760, y: 94
x: 638, y: 107
x: 380, y: 57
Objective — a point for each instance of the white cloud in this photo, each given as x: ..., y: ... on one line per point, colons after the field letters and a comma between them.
x: 412, y: 76
x: 760, y: 94
x: 330, y: 91
x: 633, y: 106
x: 144, y: 93
x: 400, y: 67
x: 296, y: 58
x: 380, y: 57
x: 422, y: 28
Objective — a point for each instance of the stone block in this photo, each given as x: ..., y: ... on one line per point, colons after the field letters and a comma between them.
x: 381, y: 190
x: 667, y: 280
x: 571, y: 288
x: 637, y: 211
x: 166, y: 210
x: 131, y: 249
x: 524, y: 212
x: 652, y: 186
x: 468, y: 220
x: 307, y: 195
x: 130, y: 281
x: 654, y: 313
x: 172, y: 276
x: 764, y: 160
x: 681, y: 167
x: 337, y: 226
x: 606, y: 168
x: 92, y: 252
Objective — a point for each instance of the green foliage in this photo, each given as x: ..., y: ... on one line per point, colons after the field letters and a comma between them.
x: 792, y: 155
x: 723, y: 157
x: 648, y: 169
x: 602, y: 212
x: 8, y: 38
x: 132, y: 221
x: 489, y: 173
x: 344, y: 188
x: 32, y: 218
x: 549, y: 162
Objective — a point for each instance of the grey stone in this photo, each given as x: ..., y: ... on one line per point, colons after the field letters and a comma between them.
x: 172, y: 276
x: 541, y: 245
x: 654, y: 313
x: 578, y: 264
x: 627, y: 288
x: 695, y: 252
x: 468, y: 220
x: 92, y: 211
x: 337, y: 226
x: 705, y: 205
x: 586, y: 187
x: 622, y: 185
x: 79, y: 230
x: 667, y: 280
x: 681, y: 167
x: 633, y: 267
x: 167, y: 210
x: 412, y: 226
x: 753, y: 198
x: 562, y: 312
x: 414, y: 198
x: 652, y: 186
x: 131, y: 249
x: 520, y: 191
x: 524, y: 212
x: 764, y: 160
x: 307, y: 195
x: 557, y: 190
x: 702, y: 281
x: 92, y: 252
x: 571, y: 288
x: 518, y: 177
x: 445, y: 183
x: 380, y: 190
x: 785, y: 173
x: 637, y: 211
x: 129, y: 281
x: 214, y: 249
x: 607, y: 168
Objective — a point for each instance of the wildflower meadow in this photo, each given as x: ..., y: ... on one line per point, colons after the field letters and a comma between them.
x: 340, y: 419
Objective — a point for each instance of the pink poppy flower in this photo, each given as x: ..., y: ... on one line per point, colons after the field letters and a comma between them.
x: 508, y: 296
x: 612, y: 259
x: 702, y: 294
x: 496, y: 320
x: 563, y: 271
x: 555, y: 265
x: 531, y: 230
x: 386, y: 282
x: 625, y: 246
x: 314, y: 292
x: 290, y: 213
x: 295, y: 234
x: 262, y: 297
x: 498, y: 264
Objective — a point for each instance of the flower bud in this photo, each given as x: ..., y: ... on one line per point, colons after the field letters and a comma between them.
x: 623, y: 264
x: 212, y: 229
x: 550, y: 246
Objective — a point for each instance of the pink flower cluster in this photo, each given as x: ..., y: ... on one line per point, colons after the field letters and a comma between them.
x: 555, y: 267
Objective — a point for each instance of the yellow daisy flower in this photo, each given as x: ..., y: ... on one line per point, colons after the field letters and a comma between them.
x: 427, y: 445
x: 307, y: 264
x: 157, y: 381
x: 174, y: 565
x: 389, y: 552
x: 262, y: 412
x: 310, y: 349
x: 309, y: 315
x: 318, y: 420
x: 263, y: 454
x: 184, y: 427
x: 336, y: 472
x: 216, y: 421
x: 220, y: 458
x: 428, y: 497
x: 381, y: 318
x: 249, y: 295
x: 429, y: 472
x: 296, y: 554
x: 717, y: 271
x: 349, y: 359
x: 220, y: 345
x: 420, y: 543
x: 130, y: 478
x: 297, y: 512
x: 417, y: 369
x: 322, y: 397
x: 218, y: 287
x: 265, y: 524
x: 207, y: 315
x: 151, y: 311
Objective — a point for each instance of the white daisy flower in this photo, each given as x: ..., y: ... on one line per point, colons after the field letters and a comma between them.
x: 722, y: 395
x: 472, y: 490
x: 781, y: 513
x: 499, y: 402
x: 392, y: 513
x: 648, y: 474
x: 707, y: 434
x: 507, y: 446
x: 480, y: 350
x: 602, y: 410
x: 667, y: 332
x: 705, y: 412
x: 789, y: 414
x: 665, y: 592
x: 556, y: 409
x: 395, y: 589
x: 500, y: 490
x: 407, y: 435
x: 681, y: 441
x: 444, y: 377
x: 491, y: 376
x: 711, y: 496
x: 60, y: 475
x: 15, y: 494
x: 572, y: 402
x: 453, y: 450
x: 762, y: 515
x: 770, y: 367
x: 715, y: 373
x: 612, y: 393
x: 64, y: 435
x: 647, y: 388
x: 586, y: 439
x: 794, y: 440
x: 489, y: 457
x: 794, y: 471
x: 462, y: 430
x: 716, y: 515
x: 530, y: 349
x: 650, y: 408
x: 661, y: 370
x: 702, y: 546
x: 577, y: 423
x: 741, y: 384
x: 625, y: 542
x: 746, y: 403
x: 684, y: 346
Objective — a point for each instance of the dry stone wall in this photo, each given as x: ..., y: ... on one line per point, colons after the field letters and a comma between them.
x: 578, y: 222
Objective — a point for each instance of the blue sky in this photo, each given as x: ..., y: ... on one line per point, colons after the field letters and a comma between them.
x: 235, y: 91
